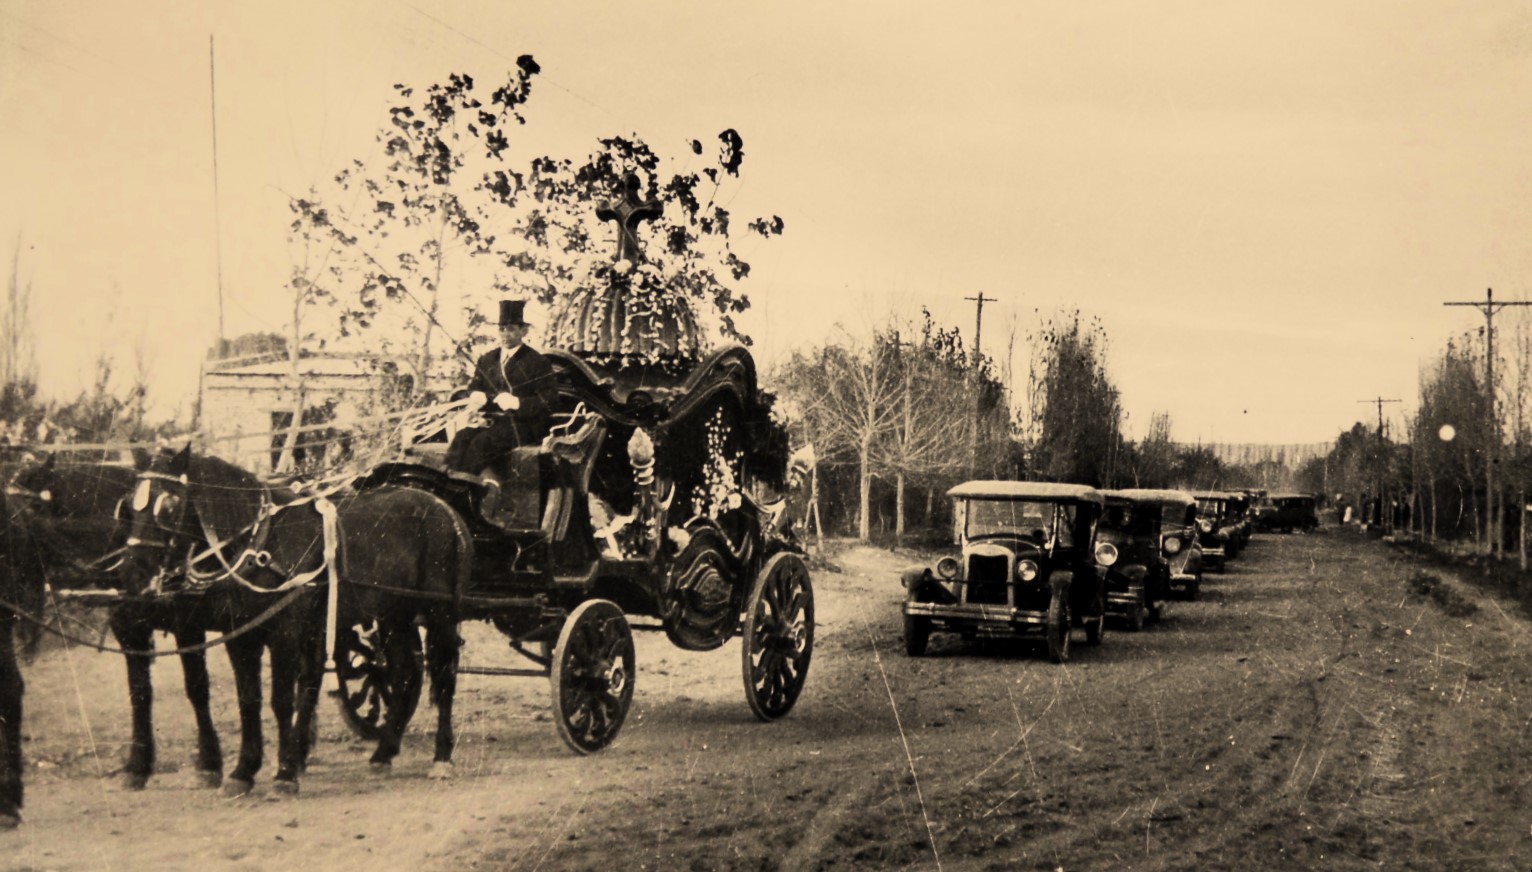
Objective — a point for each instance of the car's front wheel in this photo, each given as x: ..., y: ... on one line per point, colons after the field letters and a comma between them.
x: 1136, y: 617
x: 1058, y: 628
x: 917, y: 634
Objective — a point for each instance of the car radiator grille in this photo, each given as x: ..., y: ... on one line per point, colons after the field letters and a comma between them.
x: 987, y: 579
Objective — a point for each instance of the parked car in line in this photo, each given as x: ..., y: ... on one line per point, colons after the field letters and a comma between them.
x: 1237, y: 513
x: 1026, y: 568
x: 1155, y: 536
x: 1218, y: 532
x: 1293, y: 512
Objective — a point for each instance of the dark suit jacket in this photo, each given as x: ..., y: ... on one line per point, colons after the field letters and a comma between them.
x: 530, y: 378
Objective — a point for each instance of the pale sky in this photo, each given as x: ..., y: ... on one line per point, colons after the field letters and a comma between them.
x: 1264, y: 203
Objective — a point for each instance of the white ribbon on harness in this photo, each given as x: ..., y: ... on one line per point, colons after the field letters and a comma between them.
x: 327, y: 511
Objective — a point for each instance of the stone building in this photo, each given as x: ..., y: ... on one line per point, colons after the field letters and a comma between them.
x: 247, y: 402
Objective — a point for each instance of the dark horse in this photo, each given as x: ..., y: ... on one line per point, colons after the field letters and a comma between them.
x: 21, y: 588
x: 73, y: 521
x: 235, y: 546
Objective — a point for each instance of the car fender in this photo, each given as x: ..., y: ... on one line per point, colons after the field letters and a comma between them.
x: 1060, y: 582
x: 915, y: 577
x: 924, y: 587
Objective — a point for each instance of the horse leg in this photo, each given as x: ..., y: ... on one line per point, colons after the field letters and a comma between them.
x: 11, y: 687
x: 443, y: 645
x: 136, y: 635
x: 310, y: 680
x: 284, y: 679
x: 194, y: 672
x: 401, y: 639
x: 245, y: 656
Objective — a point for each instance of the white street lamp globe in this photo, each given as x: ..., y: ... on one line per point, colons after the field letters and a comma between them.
x: 1447, y: 432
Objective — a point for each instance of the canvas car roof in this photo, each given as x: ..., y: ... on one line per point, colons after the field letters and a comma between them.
x: 1290, y: 496
x: 1216, y: 495
x: 1025, y: 490
x: 1151, y: 495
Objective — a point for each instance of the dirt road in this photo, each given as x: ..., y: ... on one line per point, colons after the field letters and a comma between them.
x: 1314, y: 710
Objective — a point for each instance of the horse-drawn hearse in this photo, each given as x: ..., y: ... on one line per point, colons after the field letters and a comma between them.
x: 648, y: 498
x: 664, y: 490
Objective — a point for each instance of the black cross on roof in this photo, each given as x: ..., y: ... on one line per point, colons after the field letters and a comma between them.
x: 627, y: 210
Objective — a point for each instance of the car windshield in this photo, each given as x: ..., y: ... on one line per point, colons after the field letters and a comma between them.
x: 1036, y: 521
x: 1128, y: 518
x: 1173, y: 514
x: 1210, y: 508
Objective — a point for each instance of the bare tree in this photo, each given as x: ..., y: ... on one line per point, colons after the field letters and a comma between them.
x: 847, y: 397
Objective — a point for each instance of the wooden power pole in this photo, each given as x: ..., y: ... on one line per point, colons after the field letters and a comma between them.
x: 1492, y: 449
x: 978, y: 370
x: 1382, y: 461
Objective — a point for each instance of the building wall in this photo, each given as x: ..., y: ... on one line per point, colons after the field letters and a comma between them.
x: 237, y: 408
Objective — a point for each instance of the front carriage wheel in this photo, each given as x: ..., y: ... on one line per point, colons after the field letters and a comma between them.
x: 1058, y: 628
x: 592, y: 676
x: 778, y: 636
x: 371, y: 687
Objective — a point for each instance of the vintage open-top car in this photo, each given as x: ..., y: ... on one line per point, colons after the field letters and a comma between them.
x: 1027, y: 568
x: 1155, y: 553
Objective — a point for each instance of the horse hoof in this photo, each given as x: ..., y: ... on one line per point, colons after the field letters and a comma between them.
x: 210, y: 778
x: 381, y: 767
x: 284, y: 787
x: 441, y: 771
x: 237, y: 787
x: 134, y: 780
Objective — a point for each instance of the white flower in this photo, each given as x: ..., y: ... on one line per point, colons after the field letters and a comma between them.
x: 623, y: 267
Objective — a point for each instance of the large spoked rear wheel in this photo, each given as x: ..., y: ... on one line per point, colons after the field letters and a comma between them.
x: 1058, y: 628
x: 371, y: 686
x: 778, y: 636
x: 592, y: 676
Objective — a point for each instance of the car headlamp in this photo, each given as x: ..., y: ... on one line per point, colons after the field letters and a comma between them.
x: 1106, y: 554
x: 947, y: 567
x: 1026, y: 570
x: 1173, y: 545
x: 1205, y: 526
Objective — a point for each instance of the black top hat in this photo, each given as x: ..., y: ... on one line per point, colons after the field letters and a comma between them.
x: 511, y: 313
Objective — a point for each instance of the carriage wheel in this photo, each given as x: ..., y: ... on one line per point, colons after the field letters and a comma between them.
x: 369, y: 684
x: 779, y: 636
x: 592, y: 676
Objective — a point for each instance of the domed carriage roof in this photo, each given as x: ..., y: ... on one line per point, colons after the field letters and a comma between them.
x: 1025, y: 490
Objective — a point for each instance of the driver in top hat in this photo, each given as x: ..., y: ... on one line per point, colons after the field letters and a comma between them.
x: 517, y: 381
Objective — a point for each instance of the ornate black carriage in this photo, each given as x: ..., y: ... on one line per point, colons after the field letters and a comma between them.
x: 663, y: 491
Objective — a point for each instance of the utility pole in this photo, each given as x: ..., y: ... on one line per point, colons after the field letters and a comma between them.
x: 212, y: 78
x: 978, y: 364
x: 1382, y: 459
x: 1492, y: 450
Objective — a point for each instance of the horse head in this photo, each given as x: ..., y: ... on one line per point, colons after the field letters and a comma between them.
x: 32, y: 487
x: 184, y: 504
